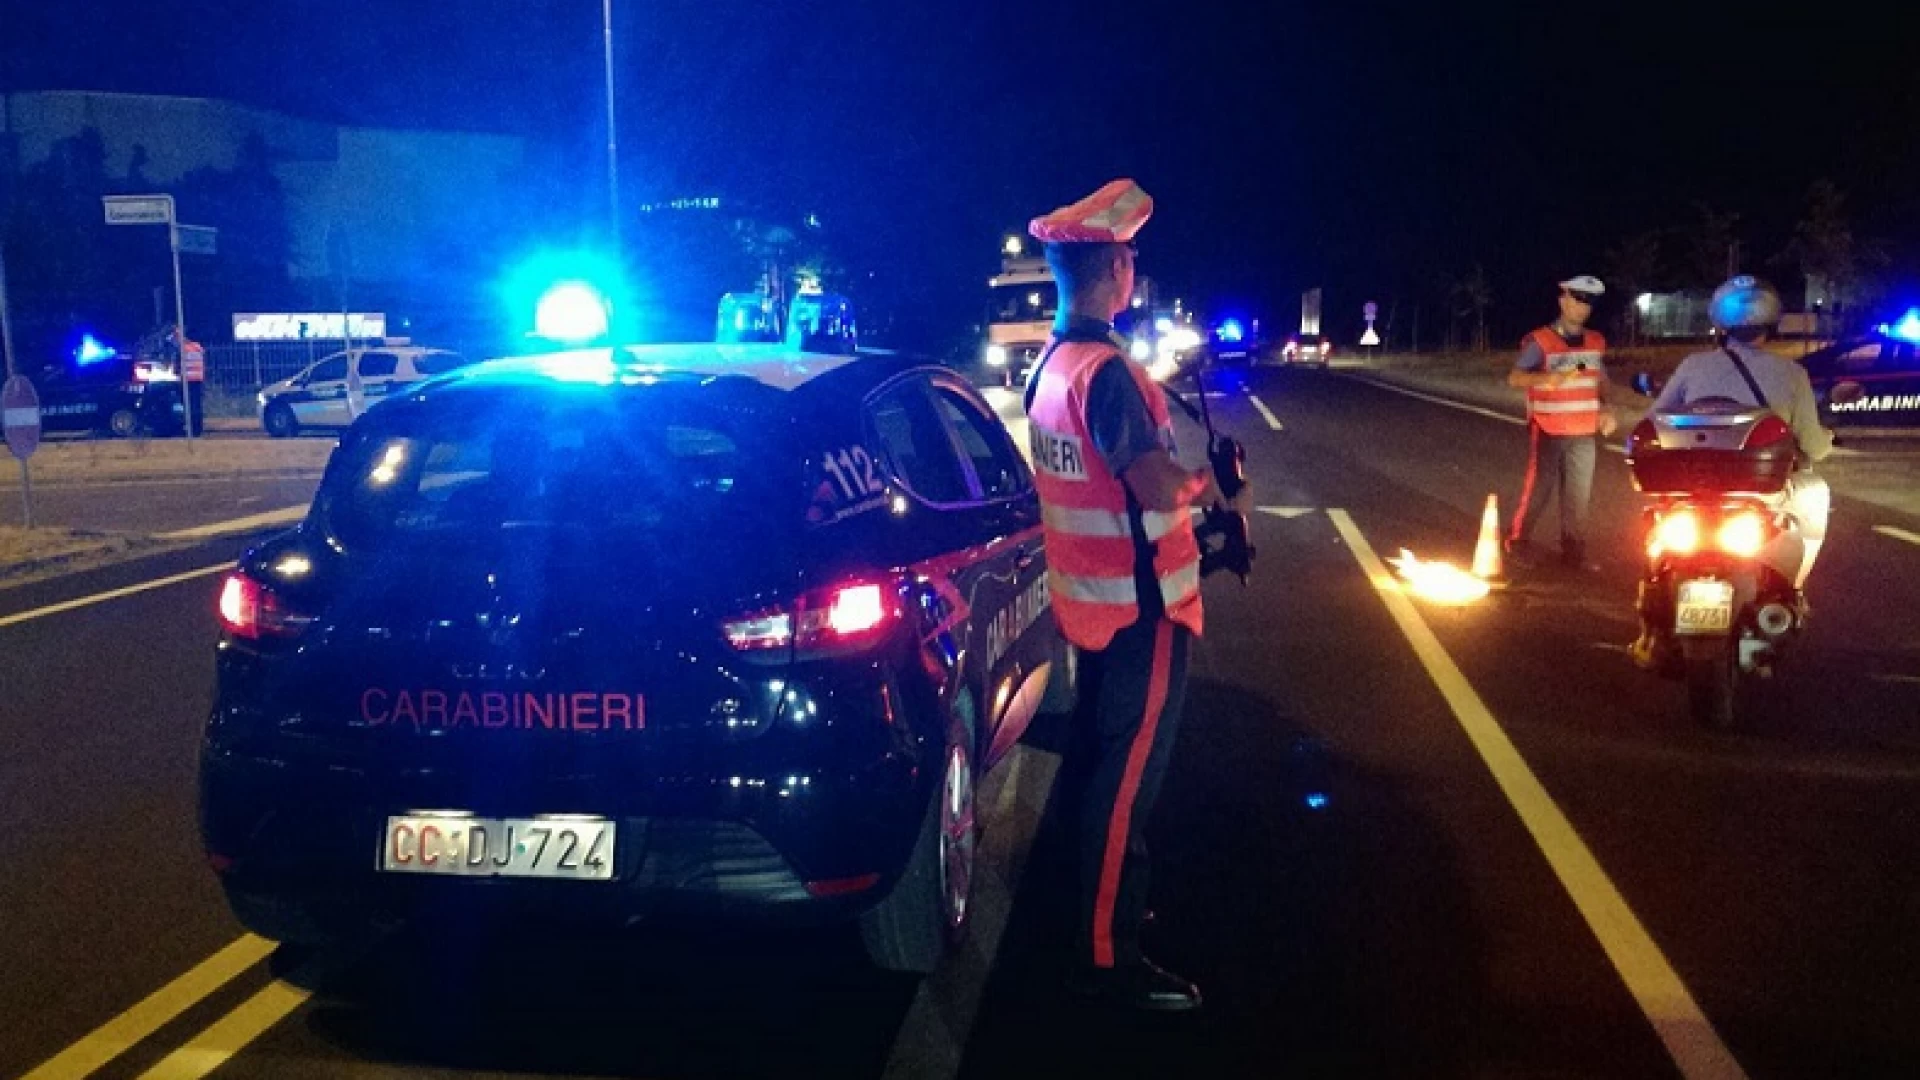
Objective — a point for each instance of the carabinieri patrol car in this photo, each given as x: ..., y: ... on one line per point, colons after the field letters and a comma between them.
x: 663, y: 632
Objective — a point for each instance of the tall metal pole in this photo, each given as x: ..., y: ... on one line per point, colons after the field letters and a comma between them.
x: 613, y: 142
x: 6, y: 350
x: 180, y: 320
x: 6, y: 319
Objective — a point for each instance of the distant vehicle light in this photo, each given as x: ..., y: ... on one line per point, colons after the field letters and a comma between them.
x: 1141, y: 350
x: 1184, y: 338
x: 996, y: 356
x: 92, y: 350
x: 1014, y: 246
x: 571, y: 313
x: 1162, y: 325
x: 1232, y: 331
x: 1166, y: 367
x: 1034, y: 299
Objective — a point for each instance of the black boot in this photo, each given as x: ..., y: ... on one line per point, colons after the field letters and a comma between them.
x: 1139, y: 985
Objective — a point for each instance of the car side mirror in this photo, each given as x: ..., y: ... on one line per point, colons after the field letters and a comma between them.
x: 1846, y: 393
x: 1644, y: 384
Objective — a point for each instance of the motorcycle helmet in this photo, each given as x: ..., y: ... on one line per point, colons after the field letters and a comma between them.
x: 1744, y: 302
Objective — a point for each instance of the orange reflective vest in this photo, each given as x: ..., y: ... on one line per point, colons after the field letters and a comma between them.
x: 1573, y: 407
x: 1085, y: 512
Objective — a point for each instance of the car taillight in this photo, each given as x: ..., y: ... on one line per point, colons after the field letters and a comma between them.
x: 1770, y: 431
x: 852, y: 614
x: 1743, y: 534
x: 250, y: 610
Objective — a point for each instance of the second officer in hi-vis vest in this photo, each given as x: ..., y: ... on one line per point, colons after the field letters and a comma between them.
x: 1562, y: 369
x: 1123, y: 573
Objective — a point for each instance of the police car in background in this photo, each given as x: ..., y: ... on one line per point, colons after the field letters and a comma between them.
x: 697, y: 631
x: 318, y: 397
x: 1877, y: 376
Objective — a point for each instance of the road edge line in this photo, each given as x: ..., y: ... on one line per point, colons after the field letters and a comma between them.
x: 1897, y: 533
x: 1696, y: 1048
x: 111, y: 594
x: 103, y: 1044
x: 1265, y: 413
x: 286, y: 515
x: 1434, y: 398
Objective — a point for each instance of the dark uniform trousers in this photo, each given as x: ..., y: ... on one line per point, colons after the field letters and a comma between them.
x: 1563, y: 464
x: 1125, y: 721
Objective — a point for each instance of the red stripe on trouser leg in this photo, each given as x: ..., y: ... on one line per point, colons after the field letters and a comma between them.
x: 1526, y: 488
x: 1121, y: 822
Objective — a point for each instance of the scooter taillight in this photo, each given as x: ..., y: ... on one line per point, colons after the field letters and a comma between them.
x: 1770, y: 431
x: 1645, y: 436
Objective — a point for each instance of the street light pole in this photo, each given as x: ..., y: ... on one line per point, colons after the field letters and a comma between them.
x: 613, y: 142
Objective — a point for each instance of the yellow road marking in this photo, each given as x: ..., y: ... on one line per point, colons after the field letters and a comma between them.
x: 1689, y: 1037
x: 112, y: 594
x: 112, y: 1038
x: 231, y: 1033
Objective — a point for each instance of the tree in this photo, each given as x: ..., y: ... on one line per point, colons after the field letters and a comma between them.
x: 1631, y: 267
x: 1825, y: 250
x: 1472, y: 296
x: 1709, y: 247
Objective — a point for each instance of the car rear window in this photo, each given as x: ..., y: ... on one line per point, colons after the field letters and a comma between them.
x: 646, y: 475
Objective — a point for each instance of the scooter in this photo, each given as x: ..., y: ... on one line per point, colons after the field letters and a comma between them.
x: 1717, y: 599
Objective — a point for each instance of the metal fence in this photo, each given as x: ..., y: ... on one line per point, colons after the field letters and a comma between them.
x: 245, y: 367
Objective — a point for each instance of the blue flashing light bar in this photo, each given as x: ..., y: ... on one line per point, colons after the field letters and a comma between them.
x: 1907, y: 329
x: 92, y: 350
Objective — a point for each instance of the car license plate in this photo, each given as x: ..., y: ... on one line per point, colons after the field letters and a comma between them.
x: 1705, y: 607
x: 576, y: 847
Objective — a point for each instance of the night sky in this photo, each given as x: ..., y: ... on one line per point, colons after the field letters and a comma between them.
x: 1373, y: 147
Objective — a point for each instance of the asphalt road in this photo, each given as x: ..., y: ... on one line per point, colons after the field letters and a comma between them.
x: 1395, y: 840
x: 160, y: 504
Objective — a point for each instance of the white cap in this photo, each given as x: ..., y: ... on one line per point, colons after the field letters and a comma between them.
x: 1585, y: 283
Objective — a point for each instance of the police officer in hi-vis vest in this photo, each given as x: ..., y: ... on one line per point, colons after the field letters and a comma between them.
x: 1123, y: 572
x: 1561, y: 369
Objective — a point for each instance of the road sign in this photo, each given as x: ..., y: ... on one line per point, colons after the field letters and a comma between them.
x: 21, y: 407
x: 196, y: 239
x: 193, y: 367
x: 1372, y: 310
x: 138, y: 209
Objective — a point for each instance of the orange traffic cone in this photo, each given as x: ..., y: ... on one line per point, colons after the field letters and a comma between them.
x: 1486, y: 553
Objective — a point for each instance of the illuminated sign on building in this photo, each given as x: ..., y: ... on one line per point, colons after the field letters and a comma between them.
x: 299, y: 326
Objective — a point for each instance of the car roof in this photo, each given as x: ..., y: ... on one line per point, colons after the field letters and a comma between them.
x: 774, y: 375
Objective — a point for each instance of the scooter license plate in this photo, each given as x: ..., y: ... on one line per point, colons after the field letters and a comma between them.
x: 1705, y: 607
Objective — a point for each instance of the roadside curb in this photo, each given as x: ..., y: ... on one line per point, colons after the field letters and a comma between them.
x: 138, y: 546
x: 59, y: 481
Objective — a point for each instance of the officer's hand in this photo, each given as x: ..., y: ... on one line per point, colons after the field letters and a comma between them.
x: 1209, y: 494
x: 1242, y: 501
x: 1609, y: 423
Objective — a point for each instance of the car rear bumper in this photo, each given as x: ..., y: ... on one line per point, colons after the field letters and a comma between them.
x: 297, y: 847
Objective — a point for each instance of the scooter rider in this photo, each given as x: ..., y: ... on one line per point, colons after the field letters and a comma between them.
x: 1747, y: 310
